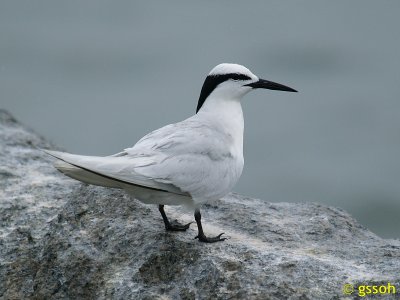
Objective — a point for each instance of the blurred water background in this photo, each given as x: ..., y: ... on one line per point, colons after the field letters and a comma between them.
x: 95, y: 76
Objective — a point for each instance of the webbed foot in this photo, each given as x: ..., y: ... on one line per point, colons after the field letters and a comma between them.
x: 204, y: 239
x: 201, y: 236
x: 176, y: 226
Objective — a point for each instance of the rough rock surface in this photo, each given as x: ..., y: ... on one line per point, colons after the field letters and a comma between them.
x: 60, y: 239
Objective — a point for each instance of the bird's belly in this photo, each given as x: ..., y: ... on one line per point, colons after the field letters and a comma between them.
x: 219, y: 182
x: 151, y: 196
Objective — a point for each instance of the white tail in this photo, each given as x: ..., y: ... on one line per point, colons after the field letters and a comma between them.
x: 108, y: 171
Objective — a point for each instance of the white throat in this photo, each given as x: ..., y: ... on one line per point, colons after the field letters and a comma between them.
x: 227, y: 116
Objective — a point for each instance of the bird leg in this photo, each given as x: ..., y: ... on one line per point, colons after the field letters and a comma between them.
x: 174, y: 225
x: 201, y: 236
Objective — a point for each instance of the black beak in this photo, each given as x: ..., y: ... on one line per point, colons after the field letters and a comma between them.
x: 265, y: 84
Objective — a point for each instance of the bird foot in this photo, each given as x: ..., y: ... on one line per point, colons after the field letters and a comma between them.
x: 204, y: 239
x: 176, y: 226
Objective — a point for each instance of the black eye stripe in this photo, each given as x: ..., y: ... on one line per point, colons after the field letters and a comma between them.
x: 212, y: 81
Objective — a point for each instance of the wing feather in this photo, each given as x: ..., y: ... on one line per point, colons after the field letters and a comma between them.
x: 121, y: 168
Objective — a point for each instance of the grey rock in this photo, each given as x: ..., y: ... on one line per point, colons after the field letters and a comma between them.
x: 60, y: 239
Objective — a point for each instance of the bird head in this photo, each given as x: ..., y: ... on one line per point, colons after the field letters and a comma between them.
x: 233, y: 81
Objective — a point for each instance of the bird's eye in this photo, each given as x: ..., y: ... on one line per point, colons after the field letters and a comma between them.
x: 237, y: 77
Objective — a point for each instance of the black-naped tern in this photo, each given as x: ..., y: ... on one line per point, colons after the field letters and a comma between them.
x: 190, y: 163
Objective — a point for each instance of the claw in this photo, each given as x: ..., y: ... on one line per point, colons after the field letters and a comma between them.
x: 204, y: 239
x: 176, y: 226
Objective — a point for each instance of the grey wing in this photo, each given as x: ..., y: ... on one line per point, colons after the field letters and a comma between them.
x: 192, y: 156
x: 186, y: 158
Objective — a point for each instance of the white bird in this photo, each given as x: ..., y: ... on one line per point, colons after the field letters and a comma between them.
x: 191, y: 162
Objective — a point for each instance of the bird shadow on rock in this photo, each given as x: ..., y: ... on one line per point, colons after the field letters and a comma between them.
x: 167, y: 263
